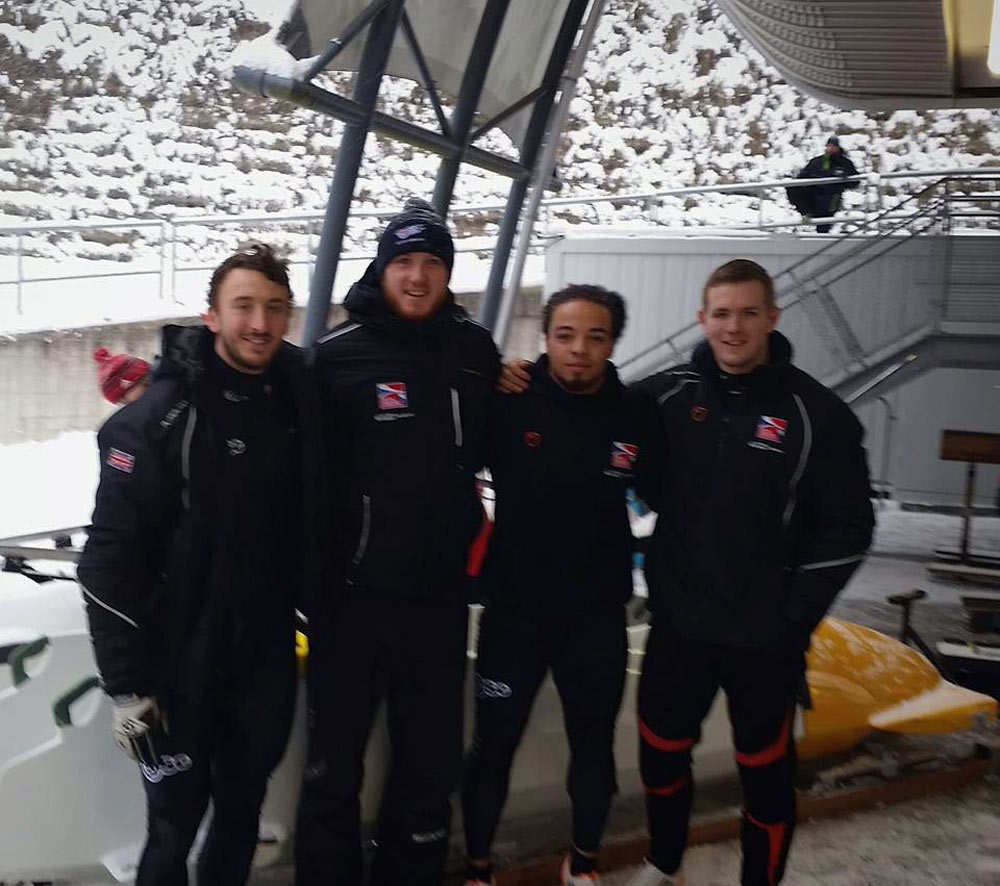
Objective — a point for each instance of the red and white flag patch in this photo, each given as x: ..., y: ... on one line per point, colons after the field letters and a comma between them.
x: 391, y: 395
x: 624, y: 455
x: 771, y: 429
x: 120, y: 461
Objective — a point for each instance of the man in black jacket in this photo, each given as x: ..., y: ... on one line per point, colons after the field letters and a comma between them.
x: 556, y: 588
x: 824, y: 200
x: 194, y: 563
x: 406, y: 383
x: 763, y: 517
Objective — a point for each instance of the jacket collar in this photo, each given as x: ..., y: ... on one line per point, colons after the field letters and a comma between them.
x: 186, y: 351
x: 543, y: 383
x: 765, y: 376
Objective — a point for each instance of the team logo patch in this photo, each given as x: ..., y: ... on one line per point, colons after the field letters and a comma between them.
x: 391, y: 395
x: 771, y: 429
x: 487, y: 688
x: 404, y: 234
x: 533, y: 439
x: 120, y: 461
x: 623, y: 455
x: 699, y: 413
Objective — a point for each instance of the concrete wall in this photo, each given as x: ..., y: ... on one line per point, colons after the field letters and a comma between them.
x: 957, y: 399
x: 48, y: 380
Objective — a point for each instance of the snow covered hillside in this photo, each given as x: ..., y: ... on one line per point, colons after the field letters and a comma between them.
x: 125, y: 108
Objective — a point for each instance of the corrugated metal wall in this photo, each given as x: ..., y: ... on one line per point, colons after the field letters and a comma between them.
x: 885, y: 301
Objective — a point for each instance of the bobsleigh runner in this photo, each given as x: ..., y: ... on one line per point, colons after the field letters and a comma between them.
x: 71, y: 804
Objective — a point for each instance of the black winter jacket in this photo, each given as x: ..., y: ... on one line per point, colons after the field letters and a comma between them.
x: 405, y: 405
x: 820, y: 199
x: 764, y: 512
x: 561, y: 464
x: 160, y: 571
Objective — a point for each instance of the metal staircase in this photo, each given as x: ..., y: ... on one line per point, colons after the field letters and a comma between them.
x: 862, y: 336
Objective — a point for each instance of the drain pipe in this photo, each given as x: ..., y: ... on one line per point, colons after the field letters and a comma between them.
x: 543, y: 172
x: 890, y: 417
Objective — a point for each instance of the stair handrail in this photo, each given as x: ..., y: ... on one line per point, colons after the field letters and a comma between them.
x: 787, y: 297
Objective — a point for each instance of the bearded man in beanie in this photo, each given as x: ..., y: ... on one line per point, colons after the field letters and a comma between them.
x: 406, y: 385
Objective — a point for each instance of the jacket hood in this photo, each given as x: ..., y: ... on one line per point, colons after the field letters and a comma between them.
x: 366, y: 304
x: 183, y: 352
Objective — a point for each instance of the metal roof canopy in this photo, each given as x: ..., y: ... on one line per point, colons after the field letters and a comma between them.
x: 500, y: 60
x: 876, y: 54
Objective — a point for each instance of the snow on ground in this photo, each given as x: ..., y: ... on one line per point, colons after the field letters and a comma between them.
x: 909, y: 532
x: 904, y: 542
x: 941, y: 840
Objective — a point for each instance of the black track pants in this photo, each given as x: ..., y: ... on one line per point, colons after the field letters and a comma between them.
x: 680, y: 679
x: 586, y: 652
x: 412, y: 654
x: 221, y: 750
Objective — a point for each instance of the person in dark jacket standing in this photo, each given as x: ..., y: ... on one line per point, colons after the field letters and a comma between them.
x: 406, y: 384
x: 821, y: 201
x: 194, y: 563
x: 763, y: 516
x: 555, y: 589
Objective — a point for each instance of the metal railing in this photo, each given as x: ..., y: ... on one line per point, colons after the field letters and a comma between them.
x: 865, y: 240
x: 882, y: 213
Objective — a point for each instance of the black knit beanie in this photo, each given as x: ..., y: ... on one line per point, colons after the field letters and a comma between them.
x: 418, y: 228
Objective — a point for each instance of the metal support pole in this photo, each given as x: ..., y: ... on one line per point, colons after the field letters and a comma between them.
x: 890, y: 417
x: 970, y: 487
x: 469, y: 94
x: 309, y: 95
x: 163, y: 259
x: 173, y: 262
x: 489, y: 310
x: 543, y: 172
x: 20, y: 271
x: 352, y: 144
x: 310, y: 254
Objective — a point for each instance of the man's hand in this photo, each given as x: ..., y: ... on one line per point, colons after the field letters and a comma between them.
x: 514, y: 377
x: 136, y: 719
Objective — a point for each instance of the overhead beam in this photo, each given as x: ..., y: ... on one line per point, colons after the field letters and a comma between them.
x: 490, y: 308
x: 308, y: 95
x: 480, y: 57
x: 425, y: 73
x: 374, y: 59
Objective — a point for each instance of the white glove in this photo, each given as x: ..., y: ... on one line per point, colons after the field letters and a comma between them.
x: 135, y: 720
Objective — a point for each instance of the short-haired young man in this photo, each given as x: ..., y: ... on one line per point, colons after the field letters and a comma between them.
x: 763, y: 516
x: 558, y: 570
x: 194, y: 563
x: 406, y: 384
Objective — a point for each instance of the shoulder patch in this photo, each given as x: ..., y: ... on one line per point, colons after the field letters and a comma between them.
x: 120, y: 461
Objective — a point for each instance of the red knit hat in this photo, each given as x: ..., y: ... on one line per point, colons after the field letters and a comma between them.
x: 116, y: 373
